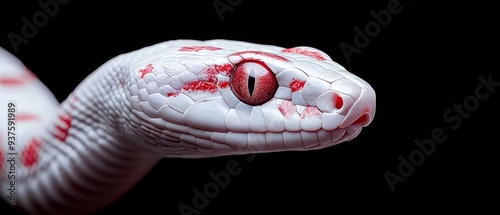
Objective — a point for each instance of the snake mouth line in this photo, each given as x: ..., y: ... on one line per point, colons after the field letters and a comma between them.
x: 363, y: 120
x: 233, y: 143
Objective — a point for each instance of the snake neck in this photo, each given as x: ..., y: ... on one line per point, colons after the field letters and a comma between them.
x: 85, y: 158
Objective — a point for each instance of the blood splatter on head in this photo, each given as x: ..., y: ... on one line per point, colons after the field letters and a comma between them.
x: 296, y: 84
x: 148, y: 69
x: 305, y: 52
x: 255, y: 55
x: 30, y: 154
x: 198, y: 48
x: 202, y: 86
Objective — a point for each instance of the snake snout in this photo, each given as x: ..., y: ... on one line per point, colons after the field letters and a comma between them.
x: 363, y: 110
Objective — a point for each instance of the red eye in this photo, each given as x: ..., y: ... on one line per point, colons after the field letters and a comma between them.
x: 253, y: 83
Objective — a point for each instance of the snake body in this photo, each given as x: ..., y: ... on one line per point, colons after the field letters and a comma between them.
x: 175, y: 99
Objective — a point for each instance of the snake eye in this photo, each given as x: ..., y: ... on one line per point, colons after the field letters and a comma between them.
x: 253, y: 83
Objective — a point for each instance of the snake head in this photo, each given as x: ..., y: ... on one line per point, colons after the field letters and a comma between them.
x: 230, y: 97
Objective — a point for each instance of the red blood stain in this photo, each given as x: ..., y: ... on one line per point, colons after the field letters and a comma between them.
x: 287, y: 108
x: 311, y: 112
x: 29, y: 155
x: 10, y: 81
x: 148, y: 69
x: 174, y: 94
x: 248, y: 55
x: 199, y: 48
x: 224, y: 84
x: 309, y: 53
x: 201, y: 86
x: 30, y: 74
x: 62, y: 131
x: 224, y: 68
x: 26, y: 117
x: 209, y: 75
x: 296, y: 84
x: 20, y: 80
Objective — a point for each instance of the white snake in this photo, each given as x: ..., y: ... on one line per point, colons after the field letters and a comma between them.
x: 176, y: 99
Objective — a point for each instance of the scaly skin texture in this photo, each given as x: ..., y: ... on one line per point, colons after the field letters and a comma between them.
x: 177, y: 99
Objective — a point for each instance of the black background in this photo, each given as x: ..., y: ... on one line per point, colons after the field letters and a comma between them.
x: 425, y: 60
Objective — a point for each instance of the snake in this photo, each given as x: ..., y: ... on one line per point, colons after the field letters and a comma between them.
x: 180, y: 98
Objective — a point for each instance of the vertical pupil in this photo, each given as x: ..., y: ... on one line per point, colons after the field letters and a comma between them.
x: 251, y: 82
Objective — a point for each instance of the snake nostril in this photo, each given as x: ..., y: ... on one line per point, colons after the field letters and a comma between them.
x: 338, y: 101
